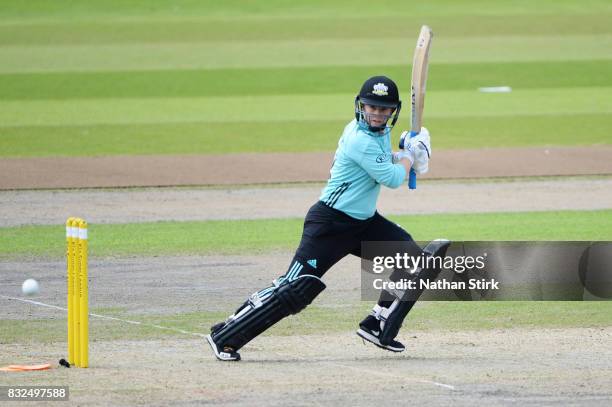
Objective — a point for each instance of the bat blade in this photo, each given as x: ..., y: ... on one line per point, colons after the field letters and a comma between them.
x: 419, y: 77
x: 420, y: 65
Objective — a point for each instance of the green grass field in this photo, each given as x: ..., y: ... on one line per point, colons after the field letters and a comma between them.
x: 257, y: 236
x: 183, y: 77
x: 428, y: 316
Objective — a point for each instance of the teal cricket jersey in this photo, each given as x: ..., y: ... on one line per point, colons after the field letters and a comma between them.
x: 363, y: 162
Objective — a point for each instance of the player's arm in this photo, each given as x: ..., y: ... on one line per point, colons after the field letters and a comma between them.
x: 383, y: 170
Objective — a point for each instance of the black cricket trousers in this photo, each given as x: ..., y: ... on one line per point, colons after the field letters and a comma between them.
x: 330, y: 234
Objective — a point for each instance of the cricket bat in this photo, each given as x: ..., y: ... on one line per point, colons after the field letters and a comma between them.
x: 419, y: 81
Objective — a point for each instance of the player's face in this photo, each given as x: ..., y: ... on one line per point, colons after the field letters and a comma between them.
x: 377, y: 115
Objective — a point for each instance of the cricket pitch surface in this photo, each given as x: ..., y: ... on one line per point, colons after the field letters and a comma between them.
x: 531, y: 366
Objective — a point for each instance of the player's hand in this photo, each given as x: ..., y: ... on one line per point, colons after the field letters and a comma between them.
x: 403, y: 154
x: 407, y: 151
x: 420, y: 145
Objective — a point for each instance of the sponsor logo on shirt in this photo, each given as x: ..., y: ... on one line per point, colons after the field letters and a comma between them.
x: 383, y: 157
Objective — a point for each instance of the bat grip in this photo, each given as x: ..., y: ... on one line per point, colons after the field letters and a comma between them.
x: 412, y: 175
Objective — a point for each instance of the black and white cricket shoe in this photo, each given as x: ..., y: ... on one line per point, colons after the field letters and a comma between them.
x: 227, y: 354
x: 369, y: 330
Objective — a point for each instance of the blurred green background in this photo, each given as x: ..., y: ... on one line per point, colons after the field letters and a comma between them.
x: 176, y: 77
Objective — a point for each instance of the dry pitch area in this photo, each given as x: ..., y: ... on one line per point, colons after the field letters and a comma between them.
x: 439, y: 368
x: 498, y: 367
x: 39, y: 207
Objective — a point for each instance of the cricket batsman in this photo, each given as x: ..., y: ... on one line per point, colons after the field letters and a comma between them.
x: 335, y: 226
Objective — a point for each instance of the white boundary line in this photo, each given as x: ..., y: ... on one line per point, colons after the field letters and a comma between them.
x: 127, y: 321
x: 390, y: 375
x: 376, y: 372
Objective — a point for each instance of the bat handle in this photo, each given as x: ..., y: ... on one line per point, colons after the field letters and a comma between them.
x: 412, y: 179
x: 412, y: 175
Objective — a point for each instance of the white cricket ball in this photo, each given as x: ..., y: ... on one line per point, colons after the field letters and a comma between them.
x: 30, y: 287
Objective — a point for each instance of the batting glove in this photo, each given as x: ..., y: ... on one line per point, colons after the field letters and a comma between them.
x: 420, y: 146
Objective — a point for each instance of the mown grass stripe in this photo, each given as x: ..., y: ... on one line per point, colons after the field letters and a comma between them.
x: 282, y: 108
x: 193, y: 30
x: 283, y: 53
x: 294, y: 136
x: 68, y: 10
x: 251, y: 236
x: 278, y: 81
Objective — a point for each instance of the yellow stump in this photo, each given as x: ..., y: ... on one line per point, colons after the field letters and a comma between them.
x: 69, y: 275
x: 78, y: 298
x: 77, y: 289
x: 83, y: 298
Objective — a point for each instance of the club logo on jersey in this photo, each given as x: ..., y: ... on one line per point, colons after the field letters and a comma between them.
x: 380, y: 89
x: 382, y: 158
